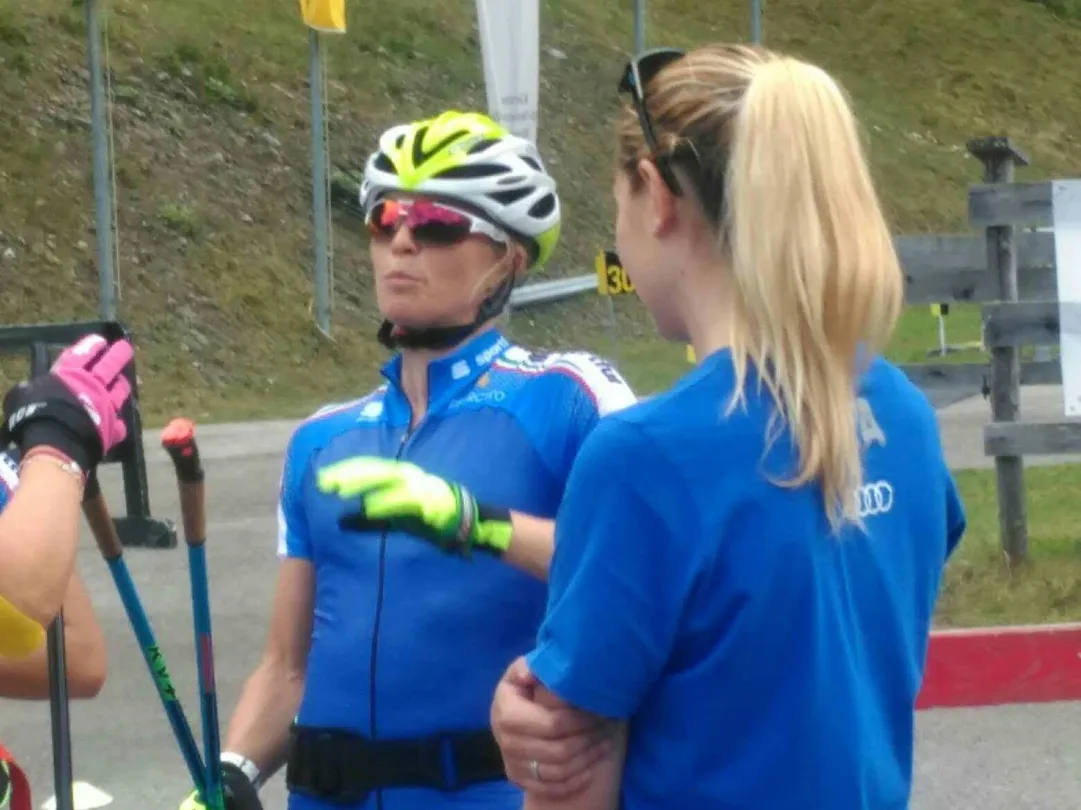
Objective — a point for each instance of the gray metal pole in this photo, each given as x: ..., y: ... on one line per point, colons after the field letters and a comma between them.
x: 319, y: 186
x: 756, y: 21
x: 639, y: 47
x: 103, y: 193
x: 639, y: 25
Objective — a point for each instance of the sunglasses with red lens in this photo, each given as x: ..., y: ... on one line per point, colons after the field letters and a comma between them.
x: 638, y: 73
x: 431, y: 223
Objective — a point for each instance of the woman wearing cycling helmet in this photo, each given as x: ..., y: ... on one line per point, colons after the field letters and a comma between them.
x: 750, y: 588
x: 416, y: 522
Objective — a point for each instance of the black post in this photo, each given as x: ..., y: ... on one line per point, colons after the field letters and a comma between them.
x: 58, y: 672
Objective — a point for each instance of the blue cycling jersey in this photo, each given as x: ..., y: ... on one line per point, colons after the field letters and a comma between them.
x: 763, y: 663
x: 408, y: 641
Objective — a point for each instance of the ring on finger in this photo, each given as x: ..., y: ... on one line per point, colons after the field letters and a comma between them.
x: 534, y: 769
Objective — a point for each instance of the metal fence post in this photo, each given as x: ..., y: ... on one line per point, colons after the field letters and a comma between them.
x: 1000, y: 158
x: 639, y: 25
x: 103, y: 202
x: 319, y: 185
x: 756, y: 21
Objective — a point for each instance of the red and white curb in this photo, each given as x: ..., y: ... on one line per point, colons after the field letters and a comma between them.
x: 992, y: 666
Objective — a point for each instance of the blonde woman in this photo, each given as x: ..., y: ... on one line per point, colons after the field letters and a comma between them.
x: 746, y: 565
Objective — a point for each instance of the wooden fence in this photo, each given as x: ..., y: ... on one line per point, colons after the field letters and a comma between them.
x: 1013, y: 274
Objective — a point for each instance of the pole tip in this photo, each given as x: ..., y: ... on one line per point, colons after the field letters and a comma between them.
x: 178, y: 433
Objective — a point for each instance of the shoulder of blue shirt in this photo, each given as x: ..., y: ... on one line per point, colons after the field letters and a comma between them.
x: 554, y: 374
x: 715, y: 375
x: 711, y: 383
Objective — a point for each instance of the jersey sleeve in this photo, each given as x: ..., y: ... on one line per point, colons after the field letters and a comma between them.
x: 591, y: 388
x: 9, y: 478
x: 624, y: 566
x: 293, y: 539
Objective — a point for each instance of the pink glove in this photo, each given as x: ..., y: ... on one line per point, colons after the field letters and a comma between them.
x: 93, y: 370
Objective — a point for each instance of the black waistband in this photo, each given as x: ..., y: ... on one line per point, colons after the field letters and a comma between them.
x: 341, y: 767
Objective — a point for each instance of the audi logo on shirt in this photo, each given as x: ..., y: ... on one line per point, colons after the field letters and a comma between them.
x: 875, y: 498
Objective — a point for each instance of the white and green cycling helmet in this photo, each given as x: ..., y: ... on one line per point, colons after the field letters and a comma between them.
x: 470, y: 159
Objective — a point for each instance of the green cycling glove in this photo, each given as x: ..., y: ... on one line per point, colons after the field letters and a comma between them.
x: 237, y: 790
x: 399, y: 496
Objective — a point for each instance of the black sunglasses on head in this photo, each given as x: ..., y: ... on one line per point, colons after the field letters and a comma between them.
x: 638, y: 73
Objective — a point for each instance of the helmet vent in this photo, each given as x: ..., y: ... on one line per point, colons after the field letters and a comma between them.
x: 532, y: 163
x: 382, y: 162
x: 543, y: 207
x: 481, y: 145
x: 511, y: 196
x: 421, y: 154
x: 471, y: 172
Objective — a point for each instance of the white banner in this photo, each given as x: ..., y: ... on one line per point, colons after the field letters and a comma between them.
x: 510, y: 49
x: 1066, y: 216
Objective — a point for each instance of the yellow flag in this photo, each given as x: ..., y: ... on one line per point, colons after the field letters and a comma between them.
x: 327, y: 16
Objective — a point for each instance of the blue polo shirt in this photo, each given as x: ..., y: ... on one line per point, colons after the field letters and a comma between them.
x: 763, y: 664
x: 408, y: 641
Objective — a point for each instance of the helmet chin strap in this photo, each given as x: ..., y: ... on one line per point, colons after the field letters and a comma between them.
x: 445, y: 337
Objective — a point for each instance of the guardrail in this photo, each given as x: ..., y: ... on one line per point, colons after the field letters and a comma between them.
x: 541, y: 292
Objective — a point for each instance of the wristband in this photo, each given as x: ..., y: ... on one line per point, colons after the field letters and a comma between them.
x: 245, y: 765
x: 55, y: 457
x: 46, y: 450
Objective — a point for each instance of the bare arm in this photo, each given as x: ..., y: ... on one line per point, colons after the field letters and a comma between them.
x: 84, y: 647
x: 39, y: 535
x: 531, y: 544
x: 259, y: 729
x: 602, y: 790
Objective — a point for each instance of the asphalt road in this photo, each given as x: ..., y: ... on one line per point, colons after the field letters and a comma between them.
x: 1011, y: 758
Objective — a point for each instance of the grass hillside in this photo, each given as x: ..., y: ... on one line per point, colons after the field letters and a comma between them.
x: 211, y: 133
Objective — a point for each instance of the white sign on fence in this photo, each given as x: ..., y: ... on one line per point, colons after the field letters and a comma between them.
x: 510, y: 50
x: 1066, y: 212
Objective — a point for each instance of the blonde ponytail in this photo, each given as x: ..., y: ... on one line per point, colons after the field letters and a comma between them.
x: 817, y: 281
x: 815, y: 284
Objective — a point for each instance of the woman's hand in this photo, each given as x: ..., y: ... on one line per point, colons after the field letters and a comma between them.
x: 75, y: 408
x: 399, y: 495
x: 549, y: 748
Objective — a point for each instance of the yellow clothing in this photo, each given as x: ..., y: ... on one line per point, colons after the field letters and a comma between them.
x: 19, y: 634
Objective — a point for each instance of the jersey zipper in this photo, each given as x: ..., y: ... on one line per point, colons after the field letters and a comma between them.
x: 380, y: 589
